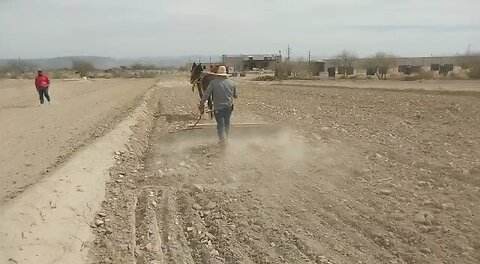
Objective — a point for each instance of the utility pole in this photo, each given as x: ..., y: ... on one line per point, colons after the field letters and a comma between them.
x: 288, y: 53
x: 309, y: 64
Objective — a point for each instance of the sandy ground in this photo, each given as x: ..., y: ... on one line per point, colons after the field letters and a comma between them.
x: 36, y: 139
x: 339, y: 176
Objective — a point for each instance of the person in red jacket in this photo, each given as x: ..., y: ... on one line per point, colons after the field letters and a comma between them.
x: 42, y: 83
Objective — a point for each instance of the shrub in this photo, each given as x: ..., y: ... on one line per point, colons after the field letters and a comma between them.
x: 471, y: 64
x: 82, y: 67
x: 455, y: 75
x: 139, y: 66
x: 57, y: 75
x: 421, y: 75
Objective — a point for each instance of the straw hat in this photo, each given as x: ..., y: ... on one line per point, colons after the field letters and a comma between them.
x: 222, y: 71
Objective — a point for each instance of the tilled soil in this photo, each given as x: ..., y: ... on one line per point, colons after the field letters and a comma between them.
x: 338, y: 176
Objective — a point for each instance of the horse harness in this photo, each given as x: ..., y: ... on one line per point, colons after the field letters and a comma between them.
x: 198, y: 81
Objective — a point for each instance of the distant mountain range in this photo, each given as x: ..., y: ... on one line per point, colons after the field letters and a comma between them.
x: 108, y: 62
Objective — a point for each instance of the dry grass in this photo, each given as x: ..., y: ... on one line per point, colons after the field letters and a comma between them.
x: 471, y: 63
x: 458, y: 75
x: 397, y: 76
x: 422, y: 75
x: 475, y: 72
x: 265, y: 78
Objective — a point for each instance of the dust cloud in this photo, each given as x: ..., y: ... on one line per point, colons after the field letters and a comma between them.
x: 247, y: 148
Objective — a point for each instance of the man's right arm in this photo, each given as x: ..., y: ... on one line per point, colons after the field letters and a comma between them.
x: 206, y: 94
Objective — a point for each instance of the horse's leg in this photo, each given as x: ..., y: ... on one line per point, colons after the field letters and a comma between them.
x: 200, y: 91
x: 210, y: 106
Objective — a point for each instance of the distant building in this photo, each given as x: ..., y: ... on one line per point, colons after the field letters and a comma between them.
x: 317, y: 67
x: 414, y: 61
x: 205, y: 65
x: 250, y: 62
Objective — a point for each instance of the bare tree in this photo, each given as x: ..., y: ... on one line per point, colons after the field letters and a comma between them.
x: 345, y: 59
x: 82, y: 67
x: 380, y: 61
x: 471, y: 64
x: 299, y: 66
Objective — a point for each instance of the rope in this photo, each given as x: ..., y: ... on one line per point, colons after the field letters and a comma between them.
x: 199, y: 118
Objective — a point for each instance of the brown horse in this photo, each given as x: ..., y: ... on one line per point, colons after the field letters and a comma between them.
x: 202, y: 80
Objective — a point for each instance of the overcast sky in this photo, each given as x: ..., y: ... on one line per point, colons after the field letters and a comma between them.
x: 129, y: 29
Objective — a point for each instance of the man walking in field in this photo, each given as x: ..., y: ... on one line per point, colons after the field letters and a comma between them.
x: 42, y: 83
x: 223, y: 91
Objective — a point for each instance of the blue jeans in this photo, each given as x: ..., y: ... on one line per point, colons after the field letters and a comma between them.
x: 223, y: 122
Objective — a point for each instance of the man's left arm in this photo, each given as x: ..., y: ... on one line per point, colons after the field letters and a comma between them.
x: 48, y: 81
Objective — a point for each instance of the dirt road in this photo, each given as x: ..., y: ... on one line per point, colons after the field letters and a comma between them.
x: 35, y: 139
x: 340, y: 176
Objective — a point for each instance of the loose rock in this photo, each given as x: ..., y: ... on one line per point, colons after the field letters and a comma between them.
x: 424, y: 229
x: 211, y: 205
x: 398, y: 216
x: 102, y: 214
x: 423, y: 217
x: 198, y: 187
x: 385, y: 192
x: 448, y: 206
x: 99, y: 222
x: 243, y: 223
x: 425, y: 250
x: 210, y: 236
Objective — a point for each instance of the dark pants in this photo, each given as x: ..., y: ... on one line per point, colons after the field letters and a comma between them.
x: 223, y: 123
x: 43, y: 92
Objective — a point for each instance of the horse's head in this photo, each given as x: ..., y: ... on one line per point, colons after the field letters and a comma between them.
x: 195, y: 72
